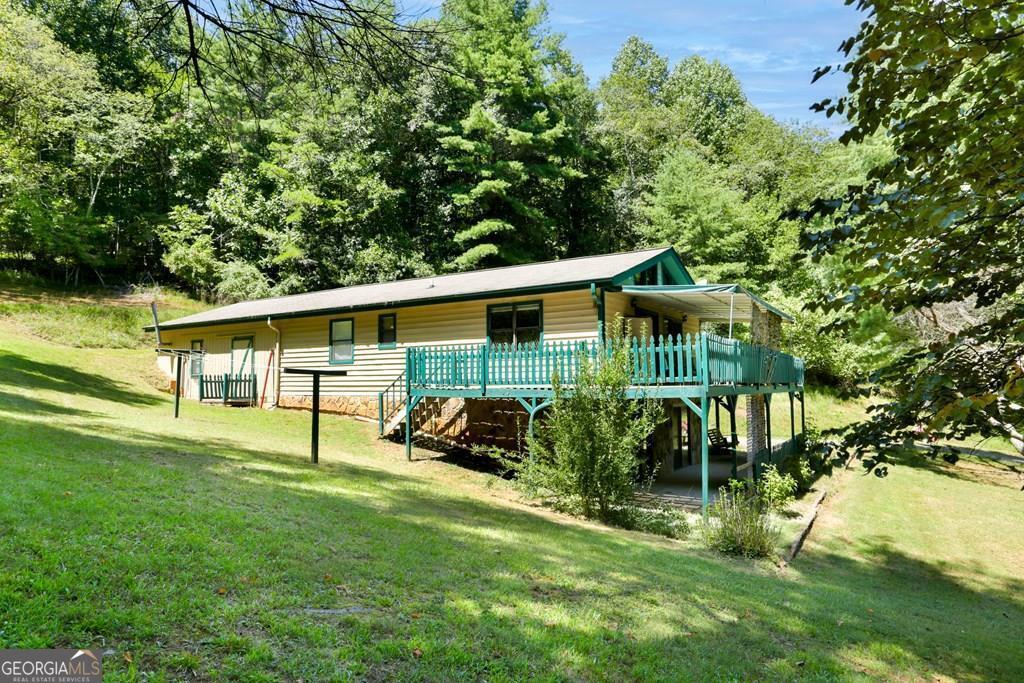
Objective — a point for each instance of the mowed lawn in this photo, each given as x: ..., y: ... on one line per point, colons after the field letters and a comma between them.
x: 208, y: 548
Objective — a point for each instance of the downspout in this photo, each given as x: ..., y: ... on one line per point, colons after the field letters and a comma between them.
x: 277, y: 363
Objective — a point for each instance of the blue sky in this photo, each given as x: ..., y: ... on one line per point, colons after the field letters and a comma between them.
x: 771, y: 45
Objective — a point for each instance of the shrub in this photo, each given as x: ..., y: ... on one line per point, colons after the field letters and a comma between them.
x: 585, y: 455
x: 737, y: 523
x: 664, y: 521
x: 775, y: 489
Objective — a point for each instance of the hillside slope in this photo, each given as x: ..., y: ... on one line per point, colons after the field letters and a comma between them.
x: 209, y: 548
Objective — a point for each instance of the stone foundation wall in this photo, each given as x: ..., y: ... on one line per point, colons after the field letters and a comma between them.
x: 497, y: 422
x: 469, y: 422
x: 360, y: 406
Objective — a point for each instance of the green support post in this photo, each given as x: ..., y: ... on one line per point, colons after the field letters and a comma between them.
x: 177, y: 386
x: 768, y: 423
x: 733, y: 401
x: 408, y: 408
x: 226, y: 380
x: 792, y: 418
x: 803, y: 423
x: 484, y: 361
x: 705, y: 411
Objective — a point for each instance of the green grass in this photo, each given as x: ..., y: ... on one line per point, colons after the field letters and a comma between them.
x: 196, y: 548
x: 87, y: 317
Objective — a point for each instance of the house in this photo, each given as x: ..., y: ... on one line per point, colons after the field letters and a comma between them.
x: 469, y: 356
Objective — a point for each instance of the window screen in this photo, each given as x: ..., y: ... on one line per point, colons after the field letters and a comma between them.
x: 514, y: 323
x: 195, y: 358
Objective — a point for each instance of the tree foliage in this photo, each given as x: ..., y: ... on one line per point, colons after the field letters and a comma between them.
x: 941, y: 223
x: 471, y: 139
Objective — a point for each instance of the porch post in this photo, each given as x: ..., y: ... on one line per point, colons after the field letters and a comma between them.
x: 732, y: 404
x: 803, y: 423
x: 768, y: 423
x: 792, y: 418
x: 705, y: 411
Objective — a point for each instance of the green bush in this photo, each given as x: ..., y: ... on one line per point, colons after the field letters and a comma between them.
x: 664, y: 520
x: 738, y: 523
x: 585, y: 456
x: 775, y: 489
x: 800, y: 469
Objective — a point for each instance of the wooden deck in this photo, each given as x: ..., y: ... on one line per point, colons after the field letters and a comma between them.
x: 690, y: 365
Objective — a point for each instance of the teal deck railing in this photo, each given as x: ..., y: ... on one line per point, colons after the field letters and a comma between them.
x: 702, y: 359
x: 390, y: 401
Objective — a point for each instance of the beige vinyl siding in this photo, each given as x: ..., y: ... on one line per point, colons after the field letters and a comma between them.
x: 621, y: 304
x: 567, y: 316
x: 617, y: 303
x: 217, y: 342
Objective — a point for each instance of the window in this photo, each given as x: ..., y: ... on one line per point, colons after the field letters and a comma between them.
x: 195, y: 358
x: 241, y: 356
x: 514, y: 323
x: 343, y: 348
x: 387, y: 331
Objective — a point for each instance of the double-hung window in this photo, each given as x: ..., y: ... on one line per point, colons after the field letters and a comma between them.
x: 519, y: 323
x: 195, y: 358
x: 387, y: 331
x: 343, y: 347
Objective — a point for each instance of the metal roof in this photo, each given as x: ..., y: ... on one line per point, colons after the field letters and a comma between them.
x: 708, y: 302
x: 507, y: 280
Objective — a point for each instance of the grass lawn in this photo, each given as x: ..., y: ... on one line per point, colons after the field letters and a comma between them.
x: 208, y: 548
x: 95, y: 317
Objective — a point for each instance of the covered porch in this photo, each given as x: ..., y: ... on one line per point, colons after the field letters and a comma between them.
x: 700, y: 375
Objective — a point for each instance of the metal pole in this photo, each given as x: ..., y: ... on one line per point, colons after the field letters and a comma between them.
x: 803, y: 423
x: 733, y: 401
x: 314, y: 456
x: 177, y: 386
x: 792, y: 418
x: 732, y: 299
x: 704, y: 413
x: 408, y: 405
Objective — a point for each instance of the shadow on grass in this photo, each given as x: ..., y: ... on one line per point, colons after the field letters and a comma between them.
x: 987, y: 471
x: 190, y: 541
x: 21, y: 372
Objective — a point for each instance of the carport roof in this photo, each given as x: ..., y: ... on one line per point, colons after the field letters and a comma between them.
x: 708, y: 302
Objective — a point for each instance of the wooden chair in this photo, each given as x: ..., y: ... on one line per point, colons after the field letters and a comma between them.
x: 717, y: 442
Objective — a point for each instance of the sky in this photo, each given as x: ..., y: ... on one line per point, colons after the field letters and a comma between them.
x: 771, y: 45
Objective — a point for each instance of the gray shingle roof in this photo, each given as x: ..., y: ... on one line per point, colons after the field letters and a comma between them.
x: 457, y: 286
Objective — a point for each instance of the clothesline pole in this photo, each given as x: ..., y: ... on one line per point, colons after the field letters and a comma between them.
x: 177, y: 385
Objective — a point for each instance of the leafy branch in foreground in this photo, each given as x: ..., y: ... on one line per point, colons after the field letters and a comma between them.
x: 941, y: 225
x: 320, y: 33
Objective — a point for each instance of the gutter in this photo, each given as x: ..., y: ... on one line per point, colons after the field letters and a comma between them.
x: 277, y: 363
